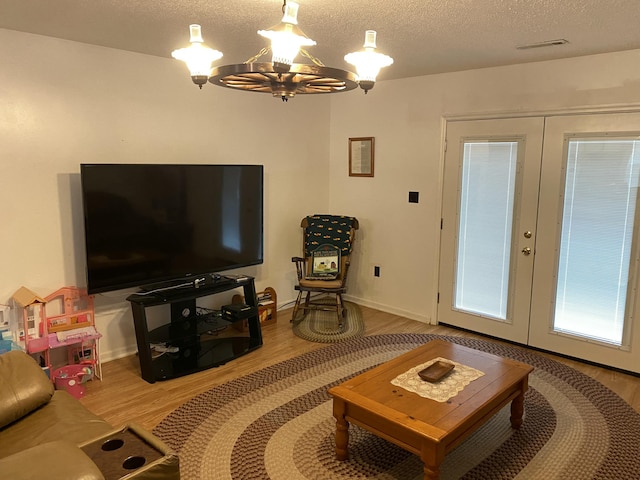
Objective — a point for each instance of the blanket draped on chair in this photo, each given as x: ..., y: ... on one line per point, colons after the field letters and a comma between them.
x: 333, y: 229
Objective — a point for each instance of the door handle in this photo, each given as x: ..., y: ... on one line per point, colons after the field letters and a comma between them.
x: 526, y: 251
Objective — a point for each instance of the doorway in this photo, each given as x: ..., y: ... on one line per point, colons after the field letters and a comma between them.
x: 540, y: 232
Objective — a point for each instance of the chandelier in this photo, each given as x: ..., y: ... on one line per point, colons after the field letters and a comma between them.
x: 282, y: 77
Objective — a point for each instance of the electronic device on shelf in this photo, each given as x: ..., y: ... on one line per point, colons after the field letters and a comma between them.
x: 170, y: 225
x: 238, y: 311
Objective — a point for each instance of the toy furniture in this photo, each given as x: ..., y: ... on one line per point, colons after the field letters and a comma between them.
x: 71, y: 323
x: 63, y: 320
x: 46, y: 433
x: 31, y: 328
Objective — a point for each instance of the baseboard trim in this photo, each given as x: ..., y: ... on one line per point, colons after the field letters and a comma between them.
x: 389, y: 309
x: 107, y: 356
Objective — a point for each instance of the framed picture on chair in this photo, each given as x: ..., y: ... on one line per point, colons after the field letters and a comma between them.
x: 325, y: 263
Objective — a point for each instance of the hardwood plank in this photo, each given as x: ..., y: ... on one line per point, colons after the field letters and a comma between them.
x: 123, y: 397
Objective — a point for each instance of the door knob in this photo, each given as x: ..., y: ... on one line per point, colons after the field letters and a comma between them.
x: 527, y: 234
x: 526, y: 251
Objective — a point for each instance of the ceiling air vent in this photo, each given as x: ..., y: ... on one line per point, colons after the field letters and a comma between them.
x: 548, y: 43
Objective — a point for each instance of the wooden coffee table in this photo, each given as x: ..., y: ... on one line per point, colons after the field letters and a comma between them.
x: 422, y: 426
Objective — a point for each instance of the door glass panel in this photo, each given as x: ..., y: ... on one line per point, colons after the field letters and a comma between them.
x: 597, y: 229
x: 485, y: 228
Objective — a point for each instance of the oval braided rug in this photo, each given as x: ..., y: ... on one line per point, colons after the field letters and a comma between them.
x: 277, y: 424
x: 322, y: 326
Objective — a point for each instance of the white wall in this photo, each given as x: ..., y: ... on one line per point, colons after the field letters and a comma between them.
x: 65, y: 103
x: 406, y: 119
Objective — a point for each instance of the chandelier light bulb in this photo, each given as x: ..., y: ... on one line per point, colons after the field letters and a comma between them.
x: 286, y: 39
x: 195, y: 34
x: 368, y: 62
x: 197, y: 56
x: 290, y: 13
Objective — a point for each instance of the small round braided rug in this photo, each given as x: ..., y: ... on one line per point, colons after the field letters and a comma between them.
x: 277, y: 424
x: 322, y: 326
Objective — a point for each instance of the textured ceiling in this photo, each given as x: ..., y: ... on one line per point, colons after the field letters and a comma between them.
x: 423, y: 36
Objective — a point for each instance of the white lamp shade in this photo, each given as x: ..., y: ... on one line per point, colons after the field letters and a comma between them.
x: 197, y: 56
x: 285, y: 42
x: 368, y: 62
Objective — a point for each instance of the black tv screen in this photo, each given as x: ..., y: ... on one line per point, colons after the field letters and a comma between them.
x: 152, y: 223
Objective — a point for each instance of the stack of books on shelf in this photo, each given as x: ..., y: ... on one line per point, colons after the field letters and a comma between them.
x: 264, y: 298
x: 267, y: 306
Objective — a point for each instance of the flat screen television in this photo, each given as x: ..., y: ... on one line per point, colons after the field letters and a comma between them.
x: 156, y: 223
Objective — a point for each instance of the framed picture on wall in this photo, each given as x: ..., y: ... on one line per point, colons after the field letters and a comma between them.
x: 361, y: 152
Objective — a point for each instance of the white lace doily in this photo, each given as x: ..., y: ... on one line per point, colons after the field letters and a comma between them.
x: 441, y: 391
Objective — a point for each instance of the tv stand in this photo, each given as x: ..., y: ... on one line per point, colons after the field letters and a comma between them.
x: 192, y: 340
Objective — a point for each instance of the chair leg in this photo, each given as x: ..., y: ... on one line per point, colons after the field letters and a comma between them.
x: 339, y: 309
x: 296, y: 307
x: 307, y: 300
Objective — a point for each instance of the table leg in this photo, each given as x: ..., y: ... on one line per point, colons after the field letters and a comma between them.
x: 517, y: 411
x: 431, y: 473
x: 342, y: 430
x: 432, y: 457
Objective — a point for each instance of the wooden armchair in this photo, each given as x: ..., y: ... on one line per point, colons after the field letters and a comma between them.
x: 327, y: 237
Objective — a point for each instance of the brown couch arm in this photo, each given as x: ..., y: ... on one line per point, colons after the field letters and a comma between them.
x: 132, y: 452
x: 59, y: 459
x: 23, y: 386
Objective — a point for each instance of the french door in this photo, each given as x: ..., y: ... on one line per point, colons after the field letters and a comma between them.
x: 540, y: 233
x: 492, y: 168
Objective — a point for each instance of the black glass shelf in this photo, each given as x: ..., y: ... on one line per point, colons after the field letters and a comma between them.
x: 190, y: 340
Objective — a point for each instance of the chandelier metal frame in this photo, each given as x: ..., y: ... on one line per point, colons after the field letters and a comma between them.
x: 284, y: 80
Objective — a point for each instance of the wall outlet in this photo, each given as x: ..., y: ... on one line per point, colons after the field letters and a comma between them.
x: 376, y: 271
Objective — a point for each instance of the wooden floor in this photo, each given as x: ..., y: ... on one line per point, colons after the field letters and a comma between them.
x: 122, y: 396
